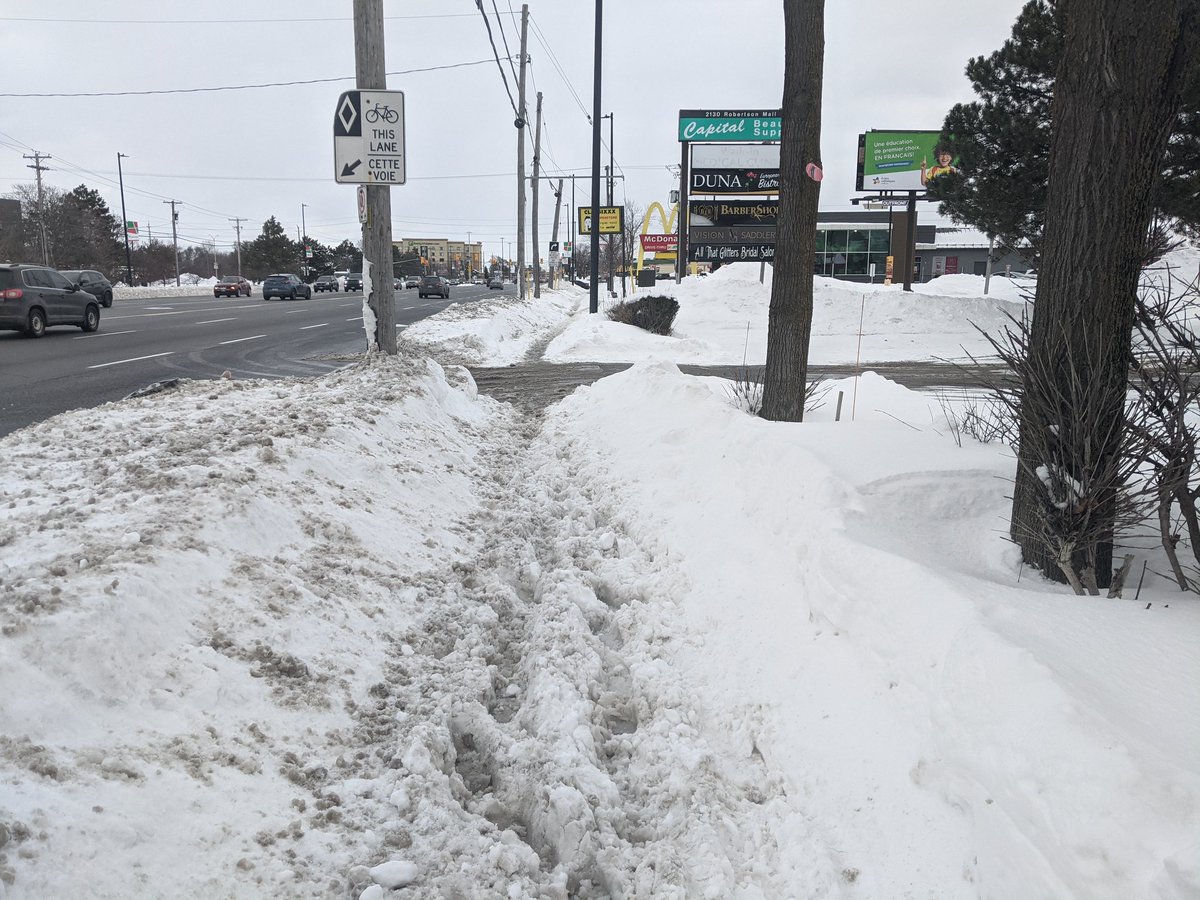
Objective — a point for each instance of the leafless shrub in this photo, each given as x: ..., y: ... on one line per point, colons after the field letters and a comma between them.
x: 746, y: 387
x: 987, y: 419
x: 1083, y: 493
x: 652, y: 313
x: 1166, y: 382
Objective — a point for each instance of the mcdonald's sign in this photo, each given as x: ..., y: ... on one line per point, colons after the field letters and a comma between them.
x: 668, y: 227
x: 655, y: 243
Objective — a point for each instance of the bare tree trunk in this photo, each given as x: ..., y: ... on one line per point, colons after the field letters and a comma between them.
x: 790, y: 323
x: 1117, y: 93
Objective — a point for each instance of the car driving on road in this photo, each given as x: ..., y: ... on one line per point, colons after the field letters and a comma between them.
x: 326, y: 283
x: 496, y: 284
x: 433, y: 286
x: 32, y: 298
x: 93, y: 282
x: 354, y: 281
x: 412, y: 281
x: 231, y: 286
x: 285, y: 287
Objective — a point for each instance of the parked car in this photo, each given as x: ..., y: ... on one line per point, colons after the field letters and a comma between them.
x: 412, y: 281
x: 93, y: 282
x: 232, y: 286
x: 32, y: 298
x: 285, y: 287
x: 354, y: 281
x: 326, y: 283
x: 496, y: 284
x: 433, y: 286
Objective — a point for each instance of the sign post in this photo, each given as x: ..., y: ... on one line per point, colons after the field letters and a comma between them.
x: 368, y: 137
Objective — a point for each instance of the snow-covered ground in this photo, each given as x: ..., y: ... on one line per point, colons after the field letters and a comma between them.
x: 375, y: 635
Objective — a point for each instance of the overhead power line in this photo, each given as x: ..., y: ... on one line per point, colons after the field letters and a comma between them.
x: 496, y: 53
x: 238, y: 87
x: 275, y: 21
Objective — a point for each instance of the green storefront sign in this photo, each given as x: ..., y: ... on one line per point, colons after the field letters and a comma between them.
x: 711, y: 125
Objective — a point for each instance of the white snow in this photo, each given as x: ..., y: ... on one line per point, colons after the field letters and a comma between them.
x: 375, y: 634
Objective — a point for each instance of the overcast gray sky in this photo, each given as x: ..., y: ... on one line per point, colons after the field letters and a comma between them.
x: 257, y: 152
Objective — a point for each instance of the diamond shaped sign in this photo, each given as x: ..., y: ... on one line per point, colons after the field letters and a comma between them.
x: 368, y: 138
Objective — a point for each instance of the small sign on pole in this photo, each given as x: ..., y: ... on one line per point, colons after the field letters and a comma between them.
x: 363, y: 216
x: 368, y: 138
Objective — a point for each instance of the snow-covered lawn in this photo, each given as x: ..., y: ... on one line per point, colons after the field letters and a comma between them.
x: 375, y: 635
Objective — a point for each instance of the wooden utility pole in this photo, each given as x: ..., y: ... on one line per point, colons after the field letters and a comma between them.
x: 370, y: 75
x: 174, y: 237
x: 537, y: 158
x: 39, y: 169
x: 554, y: 231
x: 521, y: 155
x: 237, y: 224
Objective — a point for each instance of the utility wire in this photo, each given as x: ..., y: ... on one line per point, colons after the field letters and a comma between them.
x: 541, y: 39
x: 217, y: 21
x: 496, y: 53
x: 246, y: 87
x: 504, y: 37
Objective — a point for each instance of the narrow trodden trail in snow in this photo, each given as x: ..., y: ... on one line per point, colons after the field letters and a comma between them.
x: 552, y: 751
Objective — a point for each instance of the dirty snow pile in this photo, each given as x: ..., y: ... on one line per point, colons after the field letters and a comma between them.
x: 373, y: 635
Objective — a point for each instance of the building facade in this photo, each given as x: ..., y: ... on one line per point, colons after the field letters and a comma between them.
x: 443, y: 256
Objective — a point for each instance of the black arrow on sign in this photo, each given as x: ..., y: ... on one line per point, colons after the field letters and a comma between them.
x: 348, y: 169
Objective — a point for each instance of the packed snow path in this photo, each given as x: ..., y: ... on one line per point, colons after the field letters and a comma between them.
x: 559, y: 745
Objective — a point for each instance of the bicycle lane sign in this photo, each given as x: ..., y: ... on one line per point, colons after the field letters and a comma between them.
x: 368, y: 138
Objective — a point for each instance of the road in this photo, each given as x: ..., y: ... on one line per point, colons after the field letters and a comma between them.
x: 141, y: 342
x: 537, y: 385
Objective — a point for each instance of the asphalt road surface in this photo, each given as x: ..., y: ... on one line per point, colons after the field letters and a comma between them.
x: 141, y: 342
x: 537, y: 385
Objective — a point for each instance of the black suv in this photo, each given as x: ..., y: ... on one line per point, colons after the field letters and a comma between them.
x: 354, y: 281
x: 285, y: 287
x: 326, y: 283
x: 433, y: 286
x: 91, y: 281
x: 35, y: 297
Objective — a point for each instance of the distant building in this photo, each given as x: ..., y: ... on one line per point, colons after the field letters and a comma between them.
x: 443, y: 256
x: 849, y: 243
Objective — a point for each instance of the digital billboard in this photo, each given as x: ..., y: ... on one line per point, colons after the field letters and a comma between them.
x: 902, y: 160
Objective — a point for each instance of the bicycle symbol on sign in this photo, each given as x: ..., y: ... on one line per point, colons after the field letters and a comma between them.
x: 382, y: 111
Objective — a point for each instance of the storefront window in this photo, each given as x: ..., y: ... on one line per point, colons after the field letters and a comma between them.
x: 856, y: 264
x: 835, y: 241
x: 856, y: 241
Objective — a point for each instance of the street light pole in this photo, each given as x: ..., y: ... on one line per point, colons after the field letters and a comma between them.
x: 303, y: 239
x: 125, y: 222
x: 594, y: 227
x: 609, y: 242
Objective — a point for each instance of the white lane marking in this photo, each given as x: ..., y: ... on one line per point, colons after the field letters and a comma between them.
x: 159, y: 307
x: 84, y: 337
x: 134, y: 359
x: 306, y: 327
x: 215, y: 321
x: 355, y: 319
x: 253, y: 337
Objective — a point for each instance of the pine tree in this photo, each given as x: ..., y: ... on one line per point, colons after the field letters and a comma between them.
x: 1003, y: 140
x: 271, y: 252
